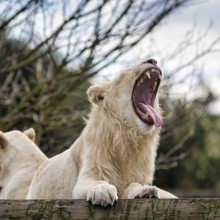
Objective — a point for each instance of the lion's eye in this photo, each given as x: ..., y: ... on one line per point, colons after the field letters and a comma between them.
x: 100, y: 97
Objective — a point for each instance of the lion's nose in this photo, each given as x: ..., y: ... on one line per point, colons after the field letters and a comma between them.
x: 151, y: 61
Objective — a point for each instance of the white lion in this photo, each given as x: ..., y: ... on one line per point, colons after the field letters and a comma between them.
x: 19, y: 159
x: 114, y: 157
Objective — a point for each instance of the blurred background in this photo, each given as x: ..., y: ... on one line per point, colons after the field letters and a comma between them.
x: 53, y: 50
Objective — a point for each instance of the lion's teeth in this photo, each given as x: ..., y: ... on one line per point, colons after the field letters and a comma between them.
x: 147, y: 74
x: 154, y: 86
x: 159, y: 76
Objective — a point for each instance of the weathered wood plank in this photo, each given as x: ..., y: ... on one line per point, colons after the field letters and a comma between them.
x: 123, y: 209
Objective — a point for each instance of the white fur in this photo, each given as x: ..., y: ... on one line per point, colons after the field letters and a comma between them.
x: 19, y: 159
x: 114, y: 154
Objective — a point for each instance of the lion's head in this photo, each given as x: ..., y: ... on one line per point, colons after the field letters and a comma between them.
x: 132, y: 97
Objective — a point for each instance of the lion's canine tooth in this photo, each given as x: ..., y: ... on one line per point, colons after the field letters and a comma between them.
x: 147, y: 74
x: 141, y: 80
x: 159, y: 76
x: 155, y: 84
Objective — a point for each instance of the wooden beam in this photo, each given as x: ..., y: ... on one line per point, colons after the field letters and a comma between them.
x: 123, y: 209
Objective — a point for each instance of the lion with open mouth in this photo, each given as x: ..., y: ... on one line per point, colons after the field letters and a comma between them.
x: 114, y: 157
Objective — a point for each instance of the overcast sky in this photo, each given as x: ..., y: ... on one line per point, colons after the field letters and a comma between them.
x: 170, y: 32
x: 173, y: 29
x: 202, y: 14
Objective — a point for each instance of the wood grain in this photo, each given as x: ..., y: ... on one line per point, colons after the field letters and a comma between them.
x: 124, y: 209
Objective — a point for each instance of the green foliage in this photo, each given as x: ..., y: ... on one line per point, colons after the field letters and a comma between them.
x: 38, y: 95
x: 198, y: 168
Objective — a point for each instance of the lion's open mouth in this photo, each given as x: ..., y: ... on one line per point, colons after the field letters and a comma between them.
x: 144, y: 94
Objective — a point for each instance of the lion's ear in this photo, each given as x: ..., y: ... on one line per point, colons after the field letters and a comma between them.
x: 96, y: 94
x: 3, y: 141
x: 30, y: 133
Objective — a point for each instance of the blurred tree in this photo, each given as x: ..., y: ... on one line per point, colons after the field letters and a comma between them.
x: 191, y: 149
x: 50, y: 49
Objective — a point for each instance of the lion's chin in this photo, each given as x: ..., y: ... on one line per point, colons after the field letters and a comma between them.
x: 144, y: 128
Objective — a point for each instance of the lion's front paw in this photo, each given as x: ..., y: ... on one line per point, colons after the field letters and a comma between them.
x: 102, y: 194
x: 145, y: 192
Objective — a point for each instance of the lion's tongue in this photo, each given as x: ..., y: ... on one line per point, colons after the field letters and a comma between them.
x: 157, y: 120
